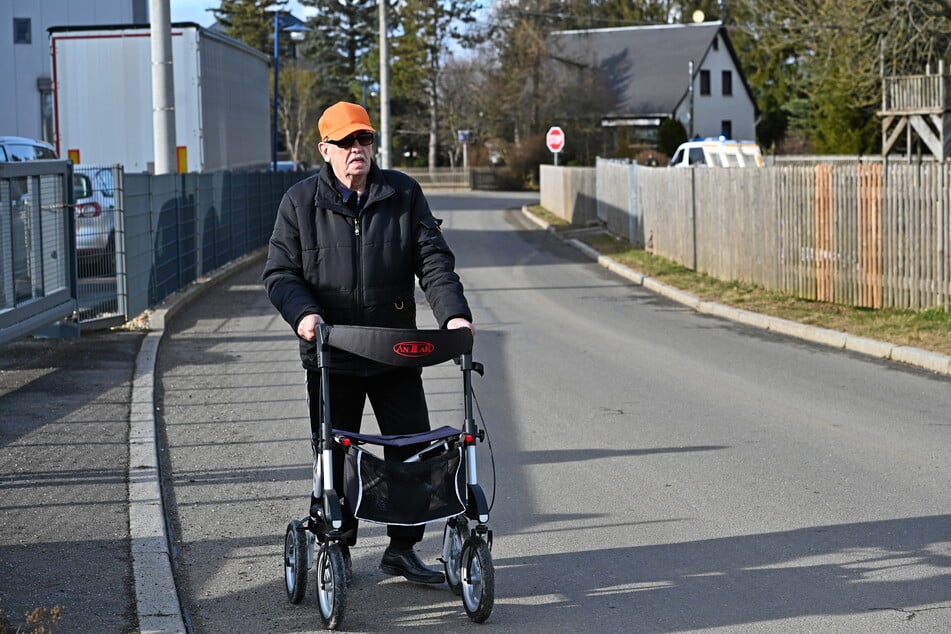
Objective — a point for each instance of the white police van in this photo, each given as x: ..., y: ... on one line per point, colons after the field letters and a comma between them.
x: 717, y: 152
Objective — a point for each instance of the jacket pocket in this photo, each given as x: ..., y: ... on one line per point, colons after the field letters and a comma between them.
x: 330, y: 268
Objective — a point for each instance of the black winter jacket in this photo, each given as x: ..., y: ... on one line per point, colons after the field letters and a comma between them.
x: 359, y: 270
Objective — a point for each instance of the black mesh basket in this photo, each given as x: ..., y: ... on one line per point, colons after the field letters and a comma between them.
x: 404, y: 493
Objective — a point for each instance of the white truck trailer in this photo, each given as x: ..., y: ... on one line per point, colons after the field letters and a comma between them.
x: 102, y: 98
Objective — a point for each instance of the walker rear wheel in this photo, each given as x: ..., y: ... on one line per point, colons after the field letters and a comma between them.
x: 331, y: 585
x: 295, y: 561
x: 478, y: 579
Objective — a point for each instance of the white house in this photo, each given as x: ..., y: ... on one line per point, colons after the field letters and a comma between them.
x: 26, y: 100
x: 652, y: 70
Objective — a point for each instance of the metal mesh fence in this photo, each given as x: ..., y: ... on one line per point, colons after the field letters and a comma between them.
x: 179, y: 227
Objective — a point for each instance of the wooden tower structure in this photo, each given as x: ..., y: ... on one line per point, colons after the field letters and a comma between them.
x: 915, y: 108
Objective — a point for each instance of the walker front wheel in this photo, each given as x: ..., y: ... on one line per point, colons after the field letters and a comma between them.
x: 295, y: 561
x: 478, y: 579
x: 331, y: 585
x: 453, y: 538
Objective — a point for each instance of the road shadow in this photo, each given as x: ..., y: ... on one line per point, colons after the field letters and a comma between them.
x: 823, y: 571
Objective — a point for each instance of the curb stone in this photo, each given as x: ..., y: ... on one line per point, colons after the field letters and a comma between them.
x: 927, y: 360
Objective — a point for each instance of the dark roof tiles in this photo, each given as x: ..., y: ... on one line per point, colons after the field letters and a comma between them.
x: 648, y: 65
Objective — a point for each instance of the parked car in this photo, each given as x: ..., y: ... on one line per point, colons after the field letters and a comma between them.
x: 290, y: 166
x: 94, y: 190
x: 717, y: 152
x: 14, y: 149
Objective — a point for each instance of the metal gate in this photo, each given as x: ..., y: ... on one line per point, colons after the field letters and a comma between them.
x: 100, y: 245
x: 36, y: 273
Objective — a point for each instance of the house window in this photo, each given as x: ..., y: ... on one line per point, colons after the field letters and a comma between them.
x: 726, y: 128
x: 727, y: 78
x: 704, y: 82
x: 22, y: 32
x: 716, y: 44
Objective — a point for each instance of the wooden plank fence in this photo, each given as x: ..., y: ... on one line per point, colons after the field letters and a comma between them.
x: 870, y: 232
x: 876, y: 235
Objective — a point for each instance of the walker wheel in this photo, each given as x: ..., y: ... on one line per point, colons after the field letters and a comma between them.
x: 331, y: 585
x: 453, y: 538
x: 478, y: 579
x: 295, y: 561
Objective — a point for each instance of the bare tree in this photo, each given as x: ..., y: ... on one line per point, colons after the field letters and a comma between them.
x: 426, y: 30
x: 298, y: 110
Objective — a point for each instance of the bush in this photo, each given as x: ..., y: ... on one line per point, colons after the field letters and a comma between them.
x: 671, y: 134
x: 524, y: 160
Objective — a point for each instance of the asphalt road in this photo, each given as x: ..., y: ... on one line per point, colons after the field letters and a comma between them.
x: 657, y: 470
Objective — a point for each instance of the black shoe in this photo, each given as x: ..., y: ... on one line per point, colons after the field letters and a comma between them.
x: 407, y: 564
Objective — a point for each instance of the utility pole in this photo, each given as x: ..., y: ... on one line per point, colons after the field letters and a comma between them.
x: 690, y: 93
x: 384, y: 92
x: 163, y: 88
x: 277, y: 65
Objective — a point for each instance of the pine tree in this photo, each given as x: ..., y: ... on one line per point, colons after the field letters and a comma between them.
x: 341, y: 46
x: 251, y: 21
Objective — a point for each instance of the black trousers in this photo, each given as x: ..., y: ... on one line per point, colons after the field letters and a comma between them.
x: 399, y: 404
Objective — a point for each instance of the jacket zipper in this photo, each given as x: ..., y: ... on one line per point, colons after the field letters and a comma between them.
x: 358, y: 265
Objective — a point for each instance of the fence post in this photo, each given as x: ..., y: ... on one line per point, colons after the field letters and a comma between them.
x: 693, y: 215
x: 632, y: 232
x: 121, y: 253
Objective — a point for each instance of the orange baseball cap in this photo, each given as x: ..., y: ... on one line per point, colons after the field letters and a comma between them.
x: 343, y: 119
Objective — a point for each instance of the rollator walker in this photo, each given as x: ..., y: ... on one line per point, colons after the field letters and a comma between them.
x: 439, y: 483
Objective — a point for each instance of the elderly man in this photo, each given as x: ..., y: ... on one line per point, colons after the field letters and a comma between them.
x: 347, y: 247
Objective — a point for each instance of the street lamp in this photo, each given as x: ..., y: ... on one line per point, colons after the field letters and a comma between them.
x: 364, y: 80
x: 297, y: 32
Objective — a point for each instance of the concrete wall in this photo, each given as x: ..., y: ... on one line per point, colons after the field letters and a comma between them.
x: 570, y: 193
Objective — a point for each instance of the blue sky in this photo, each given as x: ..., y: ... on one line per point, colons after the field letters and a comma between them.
x: 197, y: 10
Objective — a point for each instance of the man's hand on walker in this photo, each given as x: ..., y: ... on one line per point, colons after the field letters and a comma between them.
x: 307, y: 326
x: 460, y: 322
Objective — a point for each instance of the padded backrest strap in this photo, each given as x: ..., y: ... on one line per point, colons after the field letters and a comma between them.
x: 402, y: 347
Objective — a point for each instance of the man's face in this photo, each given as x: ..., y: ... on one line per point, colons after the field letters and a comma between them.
x: 349, y: 163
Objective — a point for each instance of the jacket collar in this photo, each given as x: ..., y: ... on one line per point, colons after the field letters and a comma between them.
x: 328, y: 196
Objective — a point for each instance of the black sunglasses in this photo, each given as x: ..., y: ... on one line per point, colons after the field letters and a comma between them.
x: 364, y: 138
